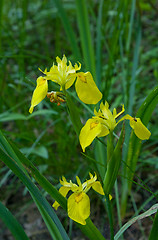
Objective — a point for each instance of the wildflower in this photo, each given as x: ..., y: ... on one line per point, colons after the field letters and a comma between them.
x: 65, y: 75
x: 78, y: 203
x: 104, y: 122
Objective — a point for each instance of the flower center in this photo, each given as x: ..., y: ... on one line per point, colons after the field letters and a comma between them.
x: 78, y: 197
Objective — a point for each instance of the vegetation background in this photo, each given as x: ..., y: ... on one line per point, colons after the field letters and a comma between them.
x: 117, y: 42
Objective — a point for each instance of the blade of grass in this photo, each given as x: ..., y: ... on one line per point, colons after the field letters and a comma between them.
x: 1, y: 19
x: 130, y: 25
x: 118, y: 204
x: 68, y: 29
x: 148, y: 213
x: 85, y: 35
x: 134, y: 69
x: 98, y: 45
x: 11, y: 222
x: 154, y: 230
x: 43, y: 182
x: 58, y: 230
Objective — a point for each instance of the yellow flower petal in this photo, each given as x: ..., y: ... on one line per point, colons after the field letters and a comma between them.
x: 86, y: 88
x: 70, y: 80
x: 64, y: 191
x: 98, y: 187
x: 91, y: 130
x: 79, y: 207
x: 139, y: 129
x: 39, y: 93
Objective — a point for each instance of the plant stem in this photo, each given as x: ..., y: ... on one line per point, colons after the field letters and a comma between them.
x: 108, y: 204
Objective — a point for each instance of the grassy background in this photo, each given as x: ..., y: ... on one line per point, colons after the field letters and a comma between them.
x: 115, y: 40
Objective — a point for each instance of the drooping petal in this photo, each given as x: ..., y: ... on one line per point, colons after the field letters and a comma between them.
x: 139, y: 129
x: 98, y: 187
x: 64, y: 191
x: 92, y: 129
x: 39, y: 93
x: 86, y: 88
x: 79, y: 207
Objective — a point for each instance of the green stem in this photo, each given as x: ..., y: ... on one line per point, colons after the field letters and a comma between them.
x: 110, y: 146
x: 73, y: 112
x: 108, y: 204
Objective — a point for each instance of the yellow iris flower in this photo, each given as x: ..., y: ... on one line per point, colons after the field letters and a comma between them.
x: 104, y: 122
x: 78, y: 203
x: 65, y: 75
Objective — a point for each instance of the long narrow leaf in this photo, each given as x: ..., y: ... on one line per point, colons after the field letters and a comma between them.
x: 43, y: 182
x: 144, y: 113
x: 154, y: 230
x: 85, y: 34
x: 148, y: 213
x: 11, y: 222
x: 98, y: 44
x: 89, y: 229
x: 58, y: 230
x: 68, y: 29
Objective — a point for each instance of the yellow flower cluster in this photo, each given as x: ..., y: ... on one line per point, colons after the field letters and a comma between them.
x: 65, y: 75
x: 101, y: 124
x: 78, y: 203
x: 104, y: 122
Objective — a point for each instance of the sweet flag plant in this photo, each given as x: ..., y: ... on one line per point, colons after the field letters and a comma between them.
x: 65, y: 75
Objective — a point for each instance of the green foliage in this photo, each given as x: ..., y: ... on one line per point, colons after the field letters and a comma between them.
x: 113, y: 165
x: 11, y: 222
x: 154, y: 230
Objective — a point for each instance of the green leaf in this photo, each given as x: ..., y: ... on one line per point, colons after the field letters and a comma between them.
x: 74, y: 114
x: 85, y: 35
x: 5, y: 117
x: 113, y: 165
x: 11, y: 222
x: 39, y: 151
x: 43, y: 182
x: 43, y: 205
x: 144, y: 113
x: 148, y: 213
x: 68, y: 28
x: 91, y: 231
x: 154, y: 230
